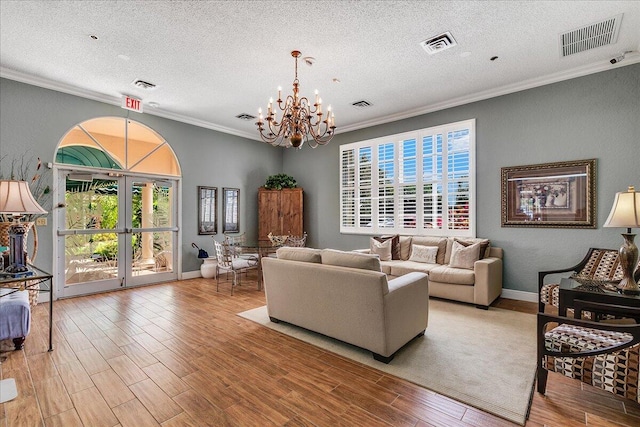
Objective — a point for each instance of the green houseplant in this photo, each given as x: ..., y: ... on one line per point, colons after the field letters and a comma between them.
x: 280, y: 181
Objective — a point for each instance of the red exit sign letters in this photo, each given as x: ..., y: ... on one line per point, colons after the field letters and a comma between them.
x: 132, y: 104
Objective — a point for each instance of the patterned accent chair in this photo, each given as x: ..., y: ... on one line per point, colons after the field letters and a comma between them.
x: 598, y: 264
x: 603, y: 355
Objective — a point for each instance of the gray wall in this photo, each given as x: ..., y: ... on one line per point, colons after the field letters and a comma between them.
x: 33, y: 120
x: 595, y: 116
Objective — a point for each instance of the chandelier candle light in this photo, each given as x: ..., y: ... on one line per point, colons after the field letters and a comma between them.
x: 300, y: 119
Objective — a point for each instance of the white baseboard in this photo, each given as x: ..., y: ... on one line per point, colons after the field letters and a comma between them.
x: 519, y: 295
x: 190, y: 275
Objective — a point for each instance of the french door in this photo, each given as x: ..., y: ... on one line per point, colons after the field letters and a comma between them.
x: 114, y: 231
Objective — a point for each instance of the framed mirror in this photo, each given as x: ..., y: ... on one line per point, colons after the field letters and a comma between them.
x: 231, y: 210
x: 207, y: 218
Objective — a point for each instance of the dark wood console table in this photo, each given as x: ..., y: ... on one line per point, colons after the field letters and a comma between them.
x: 39, y: 277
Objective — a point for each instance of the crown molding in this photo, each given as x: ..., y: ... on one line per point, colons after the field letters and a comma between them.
x: 632, y: 58
x: 112, y: 100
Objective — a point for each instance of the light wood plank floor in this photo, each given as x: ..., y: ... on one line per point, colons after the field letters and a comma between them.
x: 176, y: 354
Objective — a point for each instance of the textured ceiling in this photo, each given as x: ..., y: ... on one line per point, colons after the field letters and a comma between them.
x: 213, y: 60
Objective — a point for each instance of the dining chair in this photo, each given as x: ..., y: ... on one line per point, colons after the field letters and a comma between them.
x: 296, y: 241
x: 234, y: 264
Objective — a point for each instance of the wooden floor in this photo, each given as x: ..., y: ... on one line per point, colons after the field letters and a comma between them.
x: 178, y: 355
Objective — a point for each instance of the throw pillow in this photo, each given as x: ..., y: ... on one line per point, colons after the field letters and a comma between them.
x: 484, y: 245
x: 395, y: 244
x: 382, y: 249
x: 464, y: 256
x: 440, y: 242
x: 424, y: 254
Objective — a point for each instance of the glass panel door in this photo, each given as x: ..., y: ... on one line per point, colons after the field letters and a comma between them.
x: 152, y: 235
x: 116, y: 231
x: 90, y: 233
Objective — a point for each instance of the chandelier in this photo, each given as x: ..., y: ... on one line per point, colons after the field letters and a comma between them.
x: 301, y: 121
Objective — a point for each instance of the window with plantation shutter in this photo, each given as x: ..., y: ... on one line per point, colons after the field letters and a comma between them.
x: 420, y: 182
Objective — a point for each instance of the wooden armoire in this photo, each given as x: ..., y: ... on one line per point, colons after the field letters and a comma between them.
x: 280, y: 212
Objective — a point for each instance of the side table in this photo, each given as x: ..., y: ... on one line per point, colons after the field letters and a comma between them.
x: 572, y: 289
x: 38, y: 278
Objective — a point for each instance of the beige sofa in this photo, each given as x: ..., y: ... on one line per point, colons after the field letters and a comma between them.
x: 480, y: 285
x: 344, y: 295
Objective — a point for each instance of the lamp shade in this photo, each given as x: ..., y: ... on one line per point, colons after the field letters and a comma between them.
x: 16, y: 198
x: 626, y: 210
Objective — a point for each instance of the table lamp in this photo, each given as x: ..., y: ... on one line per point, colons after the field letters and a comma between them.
x: 16, y: 200
x: 626, y: 213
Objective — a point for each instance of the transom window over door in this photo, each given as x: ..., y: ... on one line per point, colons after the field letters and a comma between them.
x: 420, y: 182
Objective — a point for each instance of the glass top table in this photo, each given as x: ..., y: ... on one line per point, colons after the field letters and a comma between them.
x: 573, y: 289
x: 39, y: 280
x: 262, y: 248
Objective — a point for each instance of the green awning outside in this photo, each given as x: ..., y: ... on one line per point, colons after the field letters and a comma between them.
x: 86, y: 156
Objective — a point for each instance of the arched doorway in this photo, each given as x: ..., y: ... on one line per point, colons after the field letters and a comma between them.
x: 117, y: 184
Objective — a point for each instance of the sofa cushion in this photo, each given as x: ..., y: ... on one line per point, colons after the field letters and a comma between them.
x: 484, y: 251
x: 406, y: 267
x: 423, y: 254
x: 395, y: 244
x: 405, y: 247
x: 381, y: 248
x: 300, y: 254
x: 351, y: 259
x: 440, y: 242
x: 388, y: 266
x: 464, y: 256
x: 455, y: 276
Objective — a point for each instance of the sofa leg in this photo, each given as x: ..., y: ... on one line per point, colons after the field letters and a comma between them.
x: 482, y: 307
x: 381, y: 358
x: 542, y: 380
x: 19, y: 343
x: 274, y: 320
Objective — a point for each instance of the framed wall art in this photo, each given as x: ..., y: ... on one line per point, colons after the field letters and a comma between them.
x: 207, y: 203
x: 231, y: 210
x: 559, y: 195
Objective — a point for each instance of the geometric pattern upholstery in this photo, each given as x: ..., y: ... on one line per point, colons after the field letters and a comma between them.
x: 615, y: 372
x: 602, y: 265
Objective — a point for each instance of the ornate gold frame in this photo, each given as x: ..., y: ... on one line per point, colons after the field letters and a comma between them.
x: 553, y: 195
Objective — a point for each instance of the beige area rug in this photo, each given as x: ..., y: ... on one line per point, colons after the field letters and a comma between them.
x: 486, y: 359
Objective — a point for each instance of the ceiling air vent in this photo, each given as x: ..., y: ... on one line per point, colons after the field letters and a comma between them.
x: 362, y: 104
x: 143, y: 85
x: 591, y: 36
x: 438, y: 43
x: 245, y: 116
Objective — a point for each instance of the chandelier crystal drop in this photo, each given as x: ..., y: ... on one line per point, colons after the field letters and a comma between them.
x: 300, y: 120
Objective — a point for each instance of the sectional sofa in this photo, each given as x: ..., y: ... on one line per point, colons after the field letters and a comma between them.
x: 461, y: 269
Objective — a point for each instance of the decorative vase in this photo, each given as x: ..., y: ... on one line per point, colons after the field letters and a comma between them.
x: 208, y: 268
x: 4, y: 241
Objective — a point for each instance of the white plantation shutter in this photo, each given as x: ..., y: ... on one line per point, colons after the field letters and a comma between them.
x: 420, y: 182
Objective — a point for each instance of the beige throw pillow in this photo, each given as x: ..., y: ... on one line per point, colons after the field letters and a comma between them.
x: 395, y: 244
x: 382, y: 249
x: 464, y: 256
x: 423, y: 254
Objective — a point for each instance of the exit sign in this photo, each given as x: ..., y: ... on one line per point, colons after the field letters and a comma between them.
x: 132, y: 104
